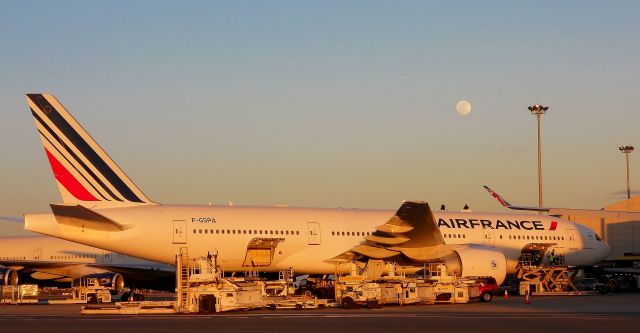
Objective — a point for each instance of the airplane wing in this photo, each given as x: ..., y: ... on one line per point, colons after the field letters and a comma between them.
x: 601, y: 213
x: 12, y: 219
x: 411, y: 234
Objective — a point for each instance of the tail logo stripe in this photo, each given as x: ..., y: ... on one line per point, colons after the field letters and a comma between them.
x: 74, y: 167
x: 75, y: 157
x: 68, y: 181
x: 84, y: 148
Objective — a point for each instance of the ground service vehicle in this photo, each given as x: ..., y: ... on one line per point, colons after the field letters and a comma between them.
x: 487, y: 287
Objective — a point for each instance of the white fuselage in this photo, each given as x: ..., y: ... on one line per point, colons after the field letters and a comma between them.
x: 308, y: 237
x: 32, y: 249
x: 62, y: 258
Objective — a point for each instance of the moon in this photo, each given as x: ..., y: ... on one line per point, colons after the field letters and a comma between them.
x: 463, y: 107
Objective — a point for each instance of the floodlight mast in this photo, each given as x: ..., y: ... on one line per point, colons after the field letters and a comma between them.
x: 539, y: 110
x: 626, y: 150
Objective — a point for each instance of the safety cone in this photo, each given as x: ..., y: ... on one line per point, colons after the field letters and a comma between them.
x: 526, y: 299
x: 506, y: 294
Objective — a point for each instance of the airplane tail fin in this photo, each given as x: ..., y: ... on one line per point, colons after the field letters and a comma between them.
x: 84, y: 173
x: 506, y: 203
x: 497, y: 196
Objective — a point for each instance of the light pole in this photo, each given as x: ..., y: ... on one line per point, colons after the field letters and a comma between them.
x: 539, y: 110
x: 627, y: 150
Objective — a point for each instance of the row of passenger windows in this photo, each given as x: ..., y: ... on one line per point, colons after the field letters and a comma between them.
x: 510, y: 237
x: 535, y: 237
x: 350, y: 233
x: 79, y: 256
x: 245, y: 232
x: 454, y: 235
x: 334, y: 233
x: 75, y: 257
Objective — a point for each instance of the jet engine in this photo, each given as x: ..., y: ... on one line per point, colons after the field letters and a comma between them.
x: 477, y: 261
x: 8, y: 277
x: 112, y: 281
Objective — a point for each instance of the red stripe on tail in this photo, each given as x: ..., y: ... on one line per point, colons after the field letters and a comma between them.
x: 68, y: 181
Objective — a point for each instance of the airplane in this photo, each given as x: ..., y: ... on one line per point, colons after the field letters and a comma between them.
x: 51, y: 261
x: 558, y: 212
x: 102, y: 207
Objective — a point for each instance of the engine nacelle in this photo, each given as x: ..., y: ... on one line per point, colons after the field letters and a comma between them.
x: 8, y: 277
x: 477, y: 261
x: 113, y: 281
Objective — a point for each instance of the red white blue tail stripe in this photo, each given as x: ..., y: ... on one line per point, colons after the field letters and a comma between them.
x: 84, y: 172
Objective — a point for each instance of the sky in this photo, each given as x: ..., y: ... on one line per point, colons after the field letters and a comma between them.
x: 328, y: 103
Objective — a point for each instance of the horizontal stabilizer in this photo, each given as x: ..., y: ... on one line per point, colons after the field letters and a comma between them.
x: 82, y: 217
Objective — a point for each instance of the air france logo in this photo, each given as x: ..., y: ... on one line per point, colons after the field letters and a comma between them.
x: 497, y: 224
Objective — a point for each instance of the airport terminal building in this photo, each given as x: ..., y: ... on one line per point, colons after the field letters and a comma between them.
x: 618, y: 224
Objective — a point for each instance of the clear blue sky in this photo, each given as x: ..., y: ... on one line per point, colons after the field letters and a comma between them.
x: 328, y: 103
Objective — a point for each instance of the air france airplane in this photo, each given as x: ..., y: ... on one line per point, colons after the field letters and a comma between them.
x: 102, y: 207
x: 48, y: 259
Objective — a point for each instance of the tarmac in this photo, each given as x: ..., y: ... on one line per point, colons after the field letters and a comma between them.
x: 576, y: 314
